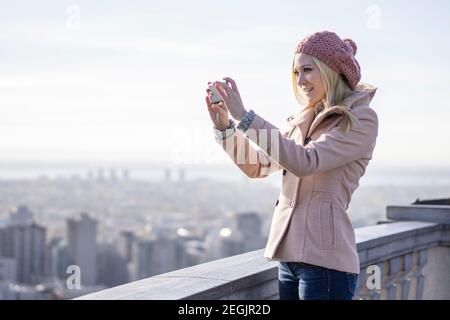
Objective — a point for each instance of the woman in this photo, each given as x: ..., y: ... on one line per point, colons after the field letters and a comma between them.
x: 323, y: 155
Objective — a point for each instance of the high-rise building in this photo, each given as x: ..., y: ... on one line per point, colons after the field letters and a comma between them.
x: 7, y: 269
x: 153, y: 256
x: 82, y: 235
x: 20, y: 216
x: 112, y: 267
x: 249, y: 225
x: 125, y: 243
x: 24, y: 241
x: 241, y: 233
x: 58, y: 257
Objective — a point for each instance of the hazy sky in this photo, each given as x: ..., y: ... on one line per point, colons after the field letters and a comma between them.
x: 125, y: 80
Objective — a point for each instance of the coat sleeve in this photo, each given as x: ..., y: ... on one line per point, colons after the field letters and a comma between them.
x: 330, y: 150
x: 250, y: 159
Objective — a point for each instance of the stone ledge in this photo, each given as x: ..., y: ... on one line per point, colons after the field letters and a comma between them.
x: 212, y: 280
x: 420, y: 212
x: 372, y: 236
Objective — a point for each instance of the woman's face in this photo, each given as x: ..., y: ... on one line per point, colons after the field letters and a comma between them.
x: 308, y: 79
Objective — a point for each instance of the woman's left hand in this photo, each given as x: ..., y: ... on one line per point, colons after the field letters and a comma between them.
x: 231, y: 98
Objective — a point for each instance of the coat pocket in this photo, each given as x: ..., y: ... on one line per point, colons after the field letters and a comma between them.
x: 327, y: 226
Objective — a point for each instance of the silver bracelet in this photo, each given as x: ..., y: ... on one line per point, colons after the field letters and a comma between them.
x: 227, y: 132
x: 246, y: 120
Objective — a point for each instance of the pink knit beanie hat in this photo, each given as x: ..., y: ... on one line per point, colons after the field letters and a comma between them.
x: 337, y: 53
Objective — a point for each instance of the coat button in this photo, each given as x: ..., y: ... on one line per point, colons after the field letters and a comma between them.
x: 307, y: 140
x: 292, y: 203
x: 284, y: 172
x: 276, y: 203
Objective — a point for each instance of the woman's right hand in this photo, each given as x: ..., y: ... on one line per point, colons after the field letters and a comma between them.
x: 218, y: 112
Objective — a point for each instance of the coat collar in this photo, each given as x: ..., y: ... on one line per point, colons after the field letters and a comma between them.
x: 362, y: 94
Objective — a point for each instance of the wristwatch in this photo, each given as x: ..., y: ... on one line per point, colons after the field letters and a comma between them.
x: 227, y: 132
x: 246, y: 120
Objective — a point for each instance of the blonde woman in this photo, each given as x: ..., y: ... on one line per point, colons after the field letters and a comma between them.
x: 323, y: 155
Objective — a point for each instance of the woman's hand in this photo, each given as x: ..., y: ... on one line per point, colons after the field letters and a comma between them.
x: 231, y: 98
x: 217, y: 112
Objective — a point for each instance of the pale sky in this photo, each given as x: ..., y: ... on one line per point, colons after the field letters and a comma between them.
x: 124, y: 81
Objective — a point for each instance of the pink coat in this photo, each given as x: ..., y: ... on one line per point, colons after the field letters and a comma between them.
x: 310, y: 223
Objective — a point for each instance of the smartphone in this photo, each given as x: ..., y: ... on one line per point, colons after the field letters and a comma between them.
x: 215, y: 96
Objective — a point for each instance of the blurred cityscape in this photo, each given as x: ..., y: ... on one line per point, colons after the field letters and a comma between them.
x: 119, y: 229
x: 115, y: 229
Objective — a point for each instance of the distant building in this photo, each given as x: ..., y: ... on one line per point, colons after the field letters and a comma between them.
x: 125, y: 244
x: 249, y: 225
x: 8, y: 269
x: 58, y: 257
x: 241, y: 234
x: 191, y: 252
x: 24, y: 241
x: 20, y: 216
x: 155, y: 255
x: 112, y: 267
x: 82, y: 234
x: 190, y: 249
x: 139, y: 267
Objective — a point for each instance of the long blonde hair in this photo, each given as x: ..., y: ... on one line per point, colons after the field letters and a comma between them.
x: 336, y: 90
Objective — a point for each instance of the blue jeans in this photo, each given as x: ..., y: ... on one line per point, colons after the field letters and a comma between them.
x: 298, y: 280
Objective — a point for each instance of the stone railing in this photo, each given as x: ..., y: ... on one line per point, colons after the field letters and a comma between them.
x: 405, y: 257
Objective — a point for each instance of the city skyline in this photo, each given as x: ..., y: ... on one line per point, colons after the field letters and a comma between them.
x: 36, y: 263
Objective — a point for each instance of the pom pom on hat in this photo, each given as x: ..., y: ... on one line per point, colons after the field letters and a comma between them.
x: 351, y: 44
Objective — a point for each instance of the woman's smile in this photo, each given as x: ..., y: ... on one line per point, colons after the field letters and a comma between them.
x: 308, y: 91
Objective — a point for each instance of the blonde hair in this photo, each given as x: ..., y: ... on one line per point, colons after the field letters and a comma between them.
x: 336, y: 90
